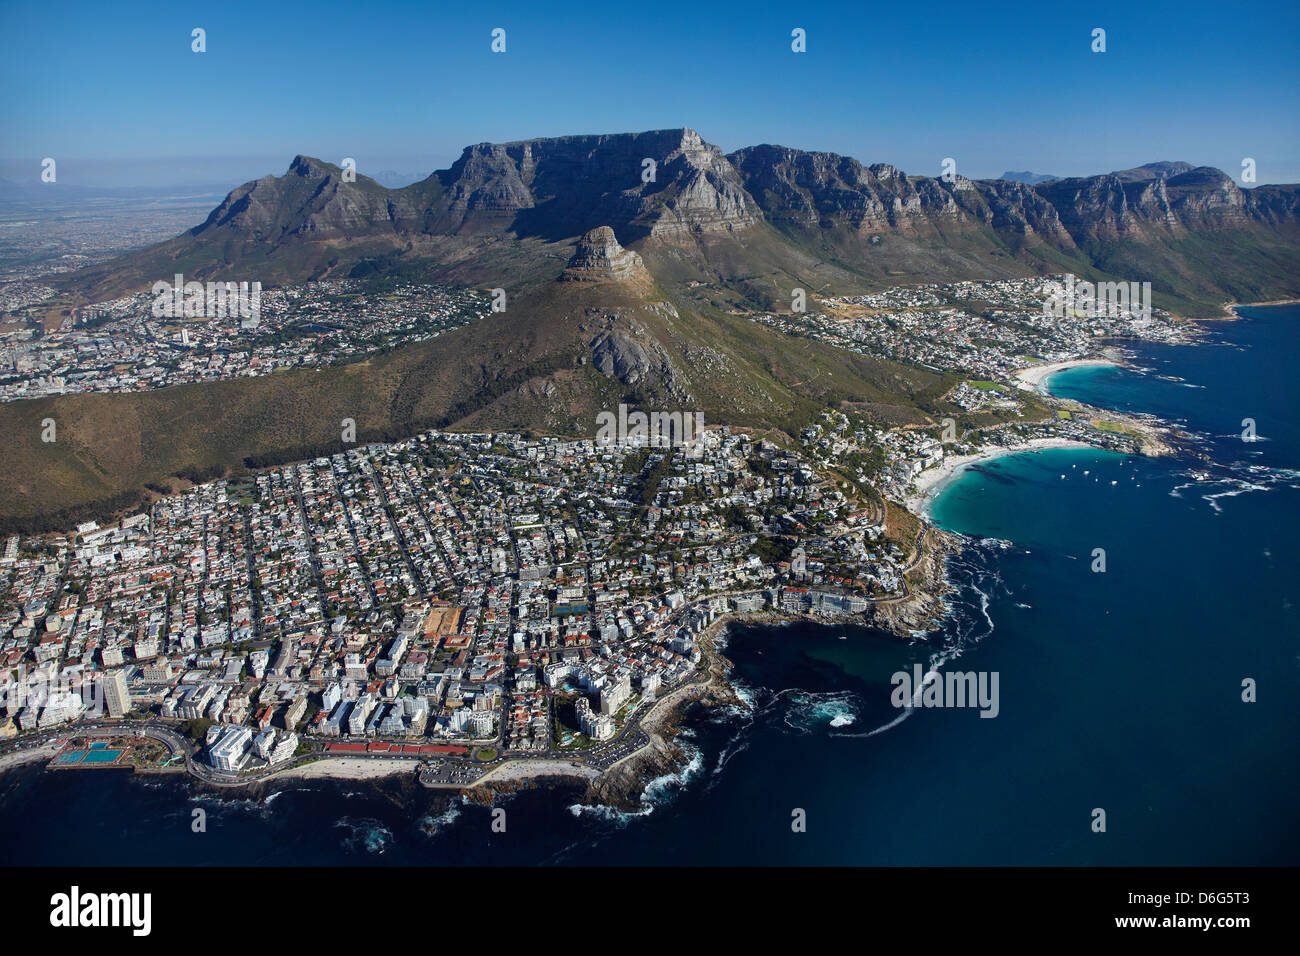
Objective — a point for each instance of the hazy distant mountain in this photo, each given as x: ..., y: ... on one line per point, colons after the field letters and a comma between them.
x: 1160, y: 170
x: 392, y: 180
x: 1027, y: 177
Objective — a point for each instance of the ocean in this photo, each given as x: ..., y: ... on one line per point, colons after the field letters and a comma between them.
x: 1119, y: 690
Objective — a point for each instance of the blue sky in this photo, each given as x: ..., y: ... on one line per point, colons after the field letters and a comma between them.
x: 114, y: 92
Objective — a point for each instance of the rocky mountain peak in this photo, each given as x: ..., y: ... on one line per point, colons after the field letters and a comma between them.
x: 697, y: 152
x: 599, y: 256
x: 309, y: 167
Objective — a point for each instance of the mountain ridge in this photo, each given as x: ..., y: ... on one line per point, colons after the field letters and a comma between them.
x: 784, y: 215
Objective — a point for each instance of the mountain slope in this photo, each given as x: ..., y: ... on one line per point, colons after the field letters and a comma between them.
x: 603, y: 332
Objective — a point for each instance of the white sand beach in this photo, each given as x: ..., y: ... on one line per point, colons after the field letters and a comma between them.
x: 930, y: 481
x: 1035, y: 374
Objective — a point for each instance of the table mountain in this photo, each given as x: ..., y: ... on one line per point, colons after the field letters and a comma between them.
x: 750, y: 225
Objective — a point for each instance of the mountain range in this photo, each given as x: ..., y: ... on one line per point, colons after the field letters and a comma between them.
x: 630, y: 261
x: 751, y: 225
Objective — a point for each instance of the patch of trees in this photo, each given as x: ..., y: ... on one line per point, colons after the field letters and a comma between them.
x: 65, y: 518
x: 196, y: 476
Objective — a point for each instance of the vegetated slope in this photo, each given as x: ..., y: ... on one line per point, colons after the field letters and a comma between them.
x: 550, y: 363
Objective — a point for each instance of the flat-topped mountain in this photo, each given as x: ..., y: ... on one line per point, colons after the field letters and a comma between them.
x: 1026, y: 176
x: 748, y: 226
x: 1161, y: 170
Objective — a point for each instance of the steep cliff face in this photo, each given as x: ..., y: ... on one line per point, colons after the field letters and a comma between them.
x: 1276, y: 206
x: 1161, y: 200
x: 828, y: 190
x: 1019, y: 209
x: 702, y: 193
x: 552, y: 188
x: 555, y: 188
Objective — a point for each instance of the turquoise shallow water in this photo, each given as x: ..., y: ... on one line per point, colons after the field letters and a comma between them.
x: 1118, y: 690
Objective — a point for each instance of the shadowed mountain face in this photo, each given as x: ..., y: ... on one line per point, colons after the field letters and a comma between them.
x: 558, y: 188
x: 754, y: 223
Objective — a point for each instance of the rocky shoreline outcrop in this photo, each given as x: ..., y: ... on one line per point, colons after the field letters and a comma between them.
x: 923, y: 608
x: 624, y: 784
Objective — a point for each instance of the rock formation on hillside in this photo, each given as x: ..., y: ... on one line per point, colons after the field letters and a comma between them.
x: 599, y: 256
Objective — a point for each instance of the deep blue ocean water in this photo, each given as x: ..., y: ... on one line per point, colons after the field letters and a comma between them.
x: 1119, y: 690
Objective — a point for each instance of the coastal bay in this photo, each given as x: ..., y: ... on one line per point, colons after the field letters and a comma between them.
x: 1036, y: 375
x: 932, y: 481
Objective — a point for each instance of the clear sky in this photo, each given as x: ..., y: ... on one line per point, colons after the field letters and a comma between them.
x: 114, y: 93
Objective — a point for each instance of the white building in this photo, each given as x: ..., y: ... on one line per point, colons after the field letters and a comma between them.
x: 230, y: 753
x: 117, y: 697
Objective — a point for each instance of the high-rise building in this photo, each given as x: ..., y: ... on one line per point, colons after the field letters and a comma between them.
x: 117, y: 697
x: 230, y: 752
x: 615, y: 694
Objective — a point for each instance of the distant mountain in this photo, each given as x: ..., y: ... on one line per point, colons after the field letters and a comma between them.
x: 1161, y: 170
x: 394, y: 180
x: 1027, y: 177
x: 748, y: 226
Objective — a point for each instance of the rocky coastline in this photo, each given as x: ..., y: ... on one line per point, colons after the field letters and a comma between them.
x: 912, y: 616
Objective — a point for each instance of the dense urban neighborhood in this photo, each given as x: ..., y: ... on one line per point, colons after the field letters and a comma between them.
x: 123, y: 345
x: 488, y: 590
x: 468, y: 597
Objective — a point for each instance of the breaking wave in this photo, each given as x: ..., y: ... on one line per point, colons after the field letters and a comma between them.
x: 366, y: 835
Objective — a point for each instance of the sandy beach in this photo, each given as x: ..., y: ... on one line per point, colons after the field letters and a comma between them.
x: 42, y: 753
x: 930, y: 481
x: 1035, y: 374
